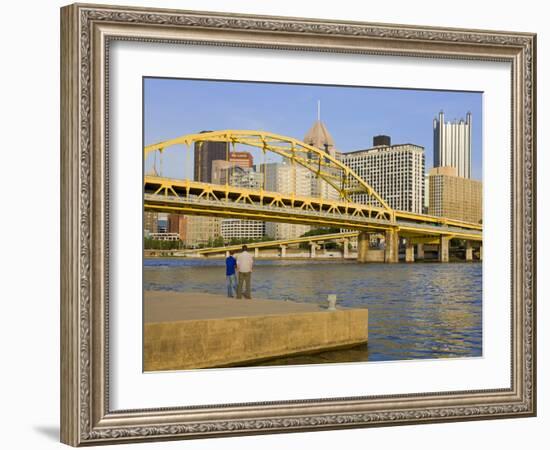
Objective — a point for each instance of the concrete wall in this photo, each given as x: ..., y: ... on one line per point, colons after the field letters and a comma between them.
x: 193, y: 344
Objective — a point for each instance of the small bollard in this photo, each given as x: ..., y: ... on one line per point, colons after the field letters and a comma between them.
x: 331, y: 302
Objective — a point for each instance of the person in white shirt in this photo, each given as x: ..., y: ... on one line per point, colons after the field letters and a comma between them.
x: 245, y: 261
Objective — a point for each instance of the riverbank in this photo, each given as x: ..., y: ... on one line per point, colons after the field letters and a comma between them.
x: 416, y: 311
x: 196, y: 330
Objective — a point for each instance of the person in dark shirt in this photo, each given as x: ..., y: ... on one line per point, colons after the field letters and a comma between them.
x: 231, y: 277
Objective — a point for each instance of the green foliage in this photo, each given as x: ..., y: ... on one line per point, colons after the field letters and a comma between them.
x: 215, y: 242
x: 318, y: 232
x: 219, y: 242
x: 155, y: 244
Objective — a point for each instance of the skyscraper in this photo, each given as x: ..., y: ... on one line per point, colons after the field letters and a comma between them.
x: 246, y: 177
x: 205, y: 153
x: 453, y: 144
x: 287, y: 178
x: 454, y: 197
x: 318, y: 136
x: 396, y: 172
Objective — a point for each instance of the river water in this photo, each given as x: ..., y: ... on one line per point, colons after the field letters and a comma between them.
x: 416, y: 311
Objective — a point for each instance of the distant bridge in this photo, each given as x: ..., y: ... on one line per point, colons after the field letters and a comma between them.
x: 280, y: 243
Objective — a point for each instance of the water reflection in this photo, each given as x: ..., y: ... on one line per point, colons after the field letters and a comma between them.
x: 415, y: 310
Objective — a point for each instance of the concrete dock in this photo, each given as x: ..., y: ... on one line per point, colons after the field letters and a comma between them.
x: 196, y: 330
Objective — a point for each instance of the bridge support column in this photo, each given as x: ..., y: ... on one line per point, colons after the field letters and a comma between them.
x: 391, y: 251
x: 345, y: 248
x: 283, y: 251
x: 419, y: 251
x: 362, y: 246
x: 469, y: 251
x: 481, y: 252
x: 312, y: 249
x: 409, y: 251
x: 227, y: 254
x: 256, y: 252
x: 444, y: 249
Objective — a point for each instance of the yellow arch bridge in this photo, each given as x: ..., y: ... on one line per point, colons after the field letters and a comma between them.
x: 224, y: 200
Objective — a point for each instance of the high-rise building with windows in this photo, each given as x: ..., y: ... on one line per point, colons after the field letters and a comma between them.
x: 162, y: 223
x: 245, y: 177
x: 150, y: 222
x: 426, y: 194
x: 242, y: 229
x: 395, y: 172
x: 241, y: 159
x: 235, y: 174
x: 454, y: 197
x: 287, y: 178
x: 318, y: 136
x: 221, y: 170
x: 177, y: 223
x: 453, y: 144
x: 206, y: 152
x: 201, y: 229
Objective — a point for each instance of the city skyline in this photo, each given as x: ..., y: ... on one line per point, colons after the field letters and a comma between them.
x: 353, y: 115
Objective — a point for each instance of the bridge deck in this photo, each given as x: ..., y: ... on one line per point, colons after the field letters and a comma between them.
x: 201, y: 206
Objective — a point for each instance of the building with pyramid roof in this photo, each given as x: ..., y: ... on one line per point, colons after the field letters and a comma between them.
x: 318, y: 136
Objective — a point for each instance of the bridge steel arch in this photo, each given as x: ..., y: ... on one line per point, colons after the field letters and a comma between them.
x: 342, y: 178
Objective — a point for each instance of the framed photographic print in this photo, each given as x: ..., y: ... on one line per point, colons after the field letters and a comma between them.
x: 281, y: 224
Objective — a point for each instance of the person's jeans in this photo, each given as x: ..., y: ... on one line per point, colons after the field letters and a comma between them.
x: 244, y: 278
x: 231, y: 285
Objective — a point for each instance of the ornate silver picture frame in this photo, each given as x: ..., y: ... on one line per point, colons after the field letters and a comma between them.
x: 87, y: 33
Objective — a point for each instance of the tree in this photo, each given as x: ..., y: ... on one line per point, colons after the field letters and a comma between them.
x: 320, y: 231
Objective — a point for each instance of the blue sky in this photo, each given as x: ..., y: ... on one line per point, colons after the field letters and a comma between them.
x: 353, y: 115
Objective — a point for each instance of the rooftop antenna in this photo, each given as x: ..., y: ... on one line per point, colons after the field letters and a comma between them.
x: 319, y: 110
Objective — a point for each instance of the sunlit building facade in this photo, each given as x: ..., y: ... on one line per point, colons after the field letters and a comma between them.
x: 453, y: 144
x: 287, y: 178
x: 454, y: 197
x: 201, y: 230
x: 242, y: 229
x: 395, y: 172
x: 245, y: 177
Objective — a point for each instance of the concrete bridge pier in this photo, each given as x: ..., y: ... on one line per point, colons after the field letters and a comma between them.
x: 419, y: 251
x: 312, y: 249
x: 391, y: 251
x: 362, y: 246
x: 469, y: 251
x: 345, y: 248
x: 409, y: 251
x: 283, y: 250
x: 256, y: 252
x: 481, y: 252
x: 444, y: 249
